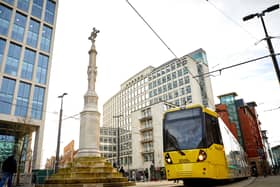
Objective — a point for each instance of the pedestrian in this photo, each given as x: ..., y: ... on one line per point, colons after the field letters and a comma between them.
x: 146, y: 173
x: 115, y: 165
x: 121, y: 171
x: 161, y: 173
x: 9, y: 167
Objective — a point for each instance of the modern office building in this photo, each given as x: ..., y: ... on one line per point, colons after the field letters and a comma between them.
x: 171, y: 84
x: 27, y: 30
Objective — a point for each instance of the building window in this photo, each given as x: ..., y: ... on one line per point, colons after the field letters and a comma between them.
x: 28, y: 64
x: 164, y: 88
x: 150, y: 94
x: 179, y: 72
x: 42, y: 69
x: 174, y: 75
x: 188, y: 89
x: 159, y: 90
x: 37, y: 8
x: 5, y: 16
x: 177, y: 102
x: 154, y: 84
x: 155, y: 91
x: 181, y: 82
x: 176, y: 94
x: 182, y: 91
x: 159, y: 81
x: 11, y: 2
x: 164, y: 79
x: 38, y: 103
x: 187, y: 80
x: 6, y: 95
x: 170, y: 96
x: 189, y: 99
x: 168, y: 77
x: 46, y: 38
x: 22, y: 99
x: 2, y: 48
x: 185, y: 70
x: 169, y: 86
x: 13, y: 59
x: 175, y: 84
x: 50, y: 10
x: 33, y: 32
x: 23, y: 5
x: 19, y: 27
x: 183, y: 101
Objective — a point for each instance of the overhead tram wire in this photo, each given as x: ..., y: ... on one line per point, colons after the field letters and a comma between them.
x: 179, y: 59
x: 232, y: 66
x: 27, y: 107
x: 152, y: 29
x: 233, y: 21
x: 43, y: 111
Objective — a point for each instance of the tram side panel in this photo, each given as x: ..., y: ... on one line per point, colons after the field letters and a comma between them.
x: 236, y: 161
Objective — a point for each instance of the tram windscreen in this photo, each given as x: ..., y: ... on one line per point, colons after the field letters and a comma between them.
x: 183, y: 130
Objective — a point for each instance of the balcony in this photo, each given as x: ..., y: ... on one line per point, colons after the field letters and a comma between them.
x: 146, y: 151
x: 146, y: 128
x: 145, y: 117
x: 146, y: 140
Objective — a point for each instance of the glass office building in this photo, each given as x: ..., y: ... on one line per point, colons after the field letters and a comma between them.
x: 27, y: 30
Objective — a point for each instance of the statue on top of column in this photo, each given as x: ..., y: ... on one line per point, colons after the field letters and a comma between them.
x: 92, y: 69
x: 93, y: 35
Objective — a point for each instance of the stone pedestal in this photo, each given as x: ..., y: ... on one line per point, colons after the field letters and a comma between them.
x: 87, y: 172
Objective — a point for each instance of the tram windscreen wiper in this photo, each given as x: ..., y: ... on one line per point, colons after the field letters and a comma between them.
x: 173, y: 141
x: 179, y: 150
x: 175, y: 145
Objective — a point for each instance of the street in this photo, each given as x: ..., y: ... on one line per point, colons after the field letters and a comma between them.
x: 271, y: 181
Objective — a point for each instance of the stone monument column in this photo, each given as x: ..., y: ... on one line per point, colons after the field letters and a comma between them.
x: 90, y: 117
x: 88, y: 168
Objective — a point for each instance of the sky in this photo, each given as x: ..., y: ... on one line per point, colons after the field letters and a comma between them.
x: 126, y: 45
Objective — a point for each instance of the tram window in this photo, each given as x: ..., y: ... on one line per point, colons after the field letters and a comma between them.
x: 212, y: 129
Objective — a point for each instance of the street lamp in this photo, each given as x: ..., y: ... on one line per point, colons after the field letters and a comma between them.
x: 59, y: 132
x: 267, y: 37
x: 118, y: 138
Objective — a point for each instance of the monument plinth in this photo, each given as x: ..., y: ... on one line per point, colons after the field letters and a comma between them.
x: 89, y: 169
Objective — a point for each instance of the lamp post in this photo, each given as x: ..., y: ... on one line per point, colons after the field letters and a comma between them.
x: 118, y: 138
x: 267, y: 37
x: 59, y: 132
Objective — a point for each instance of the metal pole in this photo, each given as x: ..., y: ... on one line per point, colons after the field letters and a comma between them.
x: 118, y: 151
x: 271, y: 50
x: 267, y: 37
x: 59, y: 134
x: 118, y: 139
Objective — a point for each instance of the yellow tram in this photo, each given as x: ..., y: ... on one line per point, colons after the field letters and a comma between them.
x: 198, y: 145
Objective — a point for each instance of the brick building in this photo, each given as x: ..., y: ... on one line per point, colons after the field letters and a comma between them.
x: 242, y: 119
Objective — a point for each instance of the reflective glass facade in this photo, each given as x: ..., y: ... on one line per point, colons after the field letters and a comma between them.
x: 7, y: 144
x: 229, y: 101
x: 26, y: 41
x: 5, y: 17
x: 6, y: 95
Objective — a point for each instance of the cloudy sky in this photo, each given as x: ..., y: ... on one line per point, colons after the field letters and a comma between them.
x: 126, y: 45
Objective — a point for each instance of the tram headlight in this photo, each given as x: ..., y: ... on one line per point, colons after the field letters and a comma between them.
x: 168, y: 159
x: 201, y: 156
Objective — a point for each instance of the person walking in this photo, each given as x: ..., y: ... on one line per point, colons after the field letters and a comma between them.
x: 9, y: 167
x: 121, y: 171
